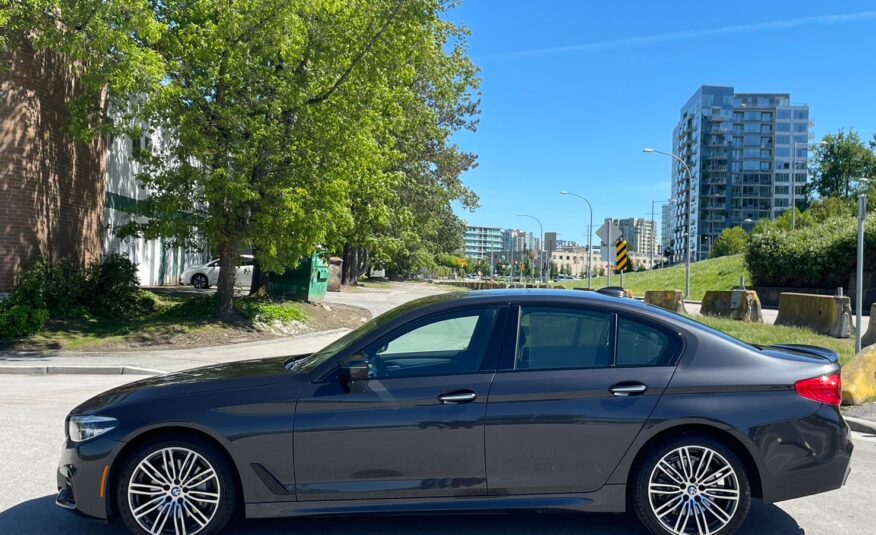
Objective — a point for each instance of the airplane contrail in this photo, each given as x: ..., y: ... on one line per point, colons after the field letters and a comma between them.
x: 692, y: 34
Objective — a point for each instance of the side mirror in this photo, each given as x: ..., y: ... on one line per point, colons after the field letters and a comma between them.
x: 353, y: 368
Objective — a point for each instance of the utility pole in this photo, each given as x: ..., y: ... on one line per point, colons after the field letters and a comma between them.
x: 859, y: 272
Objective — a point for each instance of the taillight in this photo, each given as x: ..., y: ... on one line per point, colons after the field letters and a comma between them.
x: 826, y: 389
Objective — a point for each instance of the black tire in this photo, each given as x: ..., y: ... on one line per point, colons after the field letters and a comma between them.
x: 200, y: 281
x: 227, y: 483
x: 642, y: 500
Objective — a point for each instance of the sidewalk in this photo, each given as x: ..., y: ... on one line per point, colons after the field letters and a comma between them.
x: 167, y: 360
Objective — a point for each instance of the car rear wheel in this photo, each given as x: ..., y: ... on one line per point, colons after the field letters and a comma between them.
x: 176, y: 487
x: 692, y: 485
x: 200, y: 282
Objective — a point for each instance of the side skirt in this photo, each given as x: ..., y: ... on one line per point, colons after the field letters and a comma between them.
x: 608, y: 499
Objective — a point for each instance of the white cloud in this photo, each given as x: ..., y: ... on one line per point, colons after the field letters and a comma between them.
x: 692, y: 34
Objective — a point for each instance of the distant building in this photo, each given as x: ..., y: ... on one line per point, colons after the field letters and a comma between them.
x: 480, y: 241
x: 740, y: 148
x: 518, y: 240
x: 666, y: 229
x: 639, y: 234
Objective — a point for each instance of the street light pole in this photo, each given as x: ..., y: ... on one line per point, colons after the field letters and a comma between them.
x: 689, y: 204
x: 541, y: 244
x: 589, y: 240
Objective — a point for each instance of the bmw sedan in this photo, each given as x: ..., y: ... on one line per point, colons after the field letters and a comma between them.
x: 488, y: 400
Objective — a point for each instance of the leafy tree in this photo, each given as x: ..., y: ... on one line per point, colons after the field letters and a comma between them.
x: 839, y: 162
x: 731, y: 241
x: 285, y: 123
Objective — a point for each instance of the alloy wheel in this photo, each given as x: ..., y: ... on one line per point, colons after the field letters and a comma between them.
x: 693, y: 490
x: 174, y: 491
x: 199, y: 282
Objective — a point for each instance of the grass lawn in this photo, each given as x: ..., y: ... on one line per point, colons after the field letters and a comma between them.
x: 714, y: 274
x: 764, y: 334
x: 186, y: 317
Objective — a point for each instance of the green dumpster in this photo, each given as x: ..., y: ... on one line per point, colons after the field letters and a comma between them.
x: 308, y: 281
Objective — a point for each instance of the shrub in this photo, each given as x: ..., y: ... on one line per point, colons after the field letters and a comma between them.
x: 21, y: 320
x: 58, y: 287
x: 147, y: 302
x: 114, y: 288
x: 266, y: 311
x: 818, y: 256
x: 731, y: 241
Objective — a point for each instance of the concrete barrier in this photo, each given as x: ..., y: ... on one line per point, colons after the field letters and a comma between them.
x: 825, y: 314
x: 869, y: 337
x: 859, y: 377
x: 742, y: 305
x: 672, y: 300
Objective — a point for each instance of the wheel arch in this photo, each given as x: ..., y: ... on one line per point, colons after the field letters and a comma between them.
x: 169, y: 431
x: 752, y: 470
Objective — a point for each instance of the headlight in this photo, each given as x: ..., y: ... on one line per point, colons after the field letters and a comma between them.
x: 82, y: 428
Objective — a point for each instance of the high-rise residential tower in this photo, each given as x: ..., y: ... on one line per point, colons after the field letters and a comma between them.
x: 740, y: 148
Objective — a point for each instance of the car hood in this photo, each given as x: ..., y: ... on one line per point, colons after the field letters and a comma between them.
x: 217, y: 377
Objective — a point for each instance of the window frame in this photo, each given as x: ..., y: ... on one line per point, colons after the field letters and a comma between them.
x: 675, y: 338
x: 488, y: 363
x: 508, y: 359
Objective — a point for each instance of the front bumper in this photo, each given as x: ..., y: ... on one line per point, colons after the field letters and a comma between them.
x: 84, y: 476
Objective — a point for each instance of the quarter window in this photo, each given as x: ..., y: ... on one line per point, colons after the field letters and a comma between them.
x: 639, y: 344
x: 557, y: 338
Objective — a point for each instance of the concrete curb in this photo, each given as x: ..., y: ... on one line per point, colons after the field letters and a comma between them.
x: 78, y: 370
x: 861, y: 425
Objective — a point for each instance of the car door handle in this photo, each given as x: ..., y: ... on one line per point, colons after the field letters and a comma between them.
x: 464, y: 396
x: 628, y: 389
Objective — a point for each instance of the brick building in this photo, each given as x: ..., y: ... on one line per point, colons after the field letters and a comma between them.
x: 60, y: 198
x: 51, y: 187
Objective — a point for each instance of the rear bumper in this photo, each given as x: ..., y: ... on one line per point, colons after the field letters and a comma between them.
x: 805, y: 457
x: 81, y: 485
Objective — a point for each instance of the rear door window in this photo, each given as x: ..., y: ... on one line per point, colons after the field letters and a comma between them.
x: 560, y: 338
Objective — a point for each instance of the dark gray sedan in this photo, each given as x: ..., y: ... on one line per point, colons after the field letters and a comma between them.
x: 491, y: 400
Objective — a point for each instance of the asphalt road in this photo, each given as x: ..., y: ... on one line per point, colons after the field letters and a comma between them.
x: 32, y: 411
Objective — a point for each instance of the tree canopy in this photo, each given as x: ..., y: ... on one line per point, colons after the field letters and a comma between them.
x: 731, y: 241
x: 284, y: 124
x: 840, y: 161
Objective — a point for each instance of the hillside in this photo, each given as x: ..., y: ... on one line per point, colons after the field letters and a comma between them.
x: 714, y: 274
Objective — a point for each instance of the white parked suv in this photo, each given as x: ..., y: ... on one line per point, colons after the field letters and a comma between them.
x: 204, y: 276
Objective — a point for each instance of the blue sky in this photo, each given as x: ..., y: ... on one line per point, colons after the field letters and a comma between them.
x: 572, y: 91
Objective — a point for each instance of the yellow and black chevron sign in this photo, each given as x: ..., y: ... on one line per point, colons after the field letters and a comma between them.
x: 622, y: 261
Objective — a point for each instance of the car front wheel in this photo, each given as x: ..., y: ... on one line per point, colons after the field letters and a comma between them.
x: 176, y: 487
x: 692, y: 485
x: 200, y: 282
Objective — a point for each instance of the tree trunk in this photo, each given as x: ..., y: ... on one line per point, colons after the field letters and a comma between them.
x: 259, y: 279
x: 228, y: 255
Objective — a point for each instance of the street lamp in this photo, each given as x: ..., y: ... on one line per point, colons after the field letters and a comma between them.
x: 794, y: 178
x: 589, y: 240
x: 541, y: 245
x: 689, y: 193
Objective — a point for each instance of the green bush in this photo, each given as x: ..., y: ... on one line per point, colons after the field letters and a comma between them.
x: 21, y: 320
x: 266, y: 311
x: 113, y: 288
x: 58, y: 287
x: 821, y: 255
